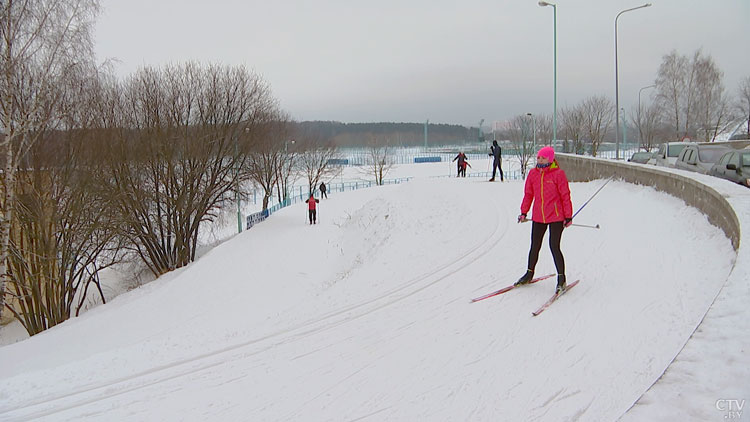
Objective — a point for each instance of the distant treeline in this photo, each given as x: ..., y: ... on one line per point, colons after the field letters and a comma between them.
x: 395, y: 134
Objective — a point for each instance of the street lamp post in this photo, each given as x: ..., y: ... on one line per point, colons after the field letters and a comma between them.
x: 533, y: 123
x: 639, y: 96
x: 554, y: 115
x: 617, y: 87
x: 624, y: 128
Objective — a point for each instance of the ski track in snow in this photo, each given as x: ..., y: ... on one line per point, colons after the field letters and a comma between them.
x: 472, y: 361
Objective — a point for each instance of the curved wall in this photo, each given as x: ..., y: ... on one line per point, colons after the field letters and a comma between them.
x: 714, y: 363
x: 718, y: 210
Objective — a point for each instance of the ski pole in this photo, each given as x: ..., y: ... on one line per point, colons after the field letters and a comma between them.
x: 584, y: 225
x: 592, y: 197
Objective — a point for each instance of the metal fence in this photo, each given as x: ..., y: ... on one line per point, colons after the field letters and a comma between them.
x: 358, y: 157
x: 299, y: 194
x: 410, y: 155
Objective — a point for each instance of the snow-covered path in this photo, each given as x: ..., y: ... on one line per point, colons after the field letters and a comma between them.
x: 366, y: 316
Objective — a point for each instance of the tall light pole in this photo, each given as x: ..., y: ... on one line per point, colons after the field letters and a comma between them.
x: 617, y: 86
x: 554, y: 115
x: 427, y: 122
x: 639, y: 96
x: 533, y: 122
x: 624, y: 128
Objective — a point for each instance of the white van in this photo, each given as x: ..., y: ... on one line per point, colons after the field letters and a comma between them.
x: 668, y: 153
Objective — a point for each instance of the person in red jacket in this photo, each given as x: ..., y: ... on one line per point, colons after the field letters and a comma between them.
x: 463, y: 168
x: 547, y: 188
x: 311, y: 208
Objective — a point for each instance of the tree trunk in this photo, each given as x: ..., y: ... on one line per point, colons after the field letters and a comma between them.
x: 7, y: 211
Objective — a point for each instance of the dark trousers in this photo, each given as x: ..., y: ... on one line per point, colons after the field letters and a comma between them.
x: 555, y: 234
x: 313, y: 215
x: 323, y: 194
x: 497, y: 165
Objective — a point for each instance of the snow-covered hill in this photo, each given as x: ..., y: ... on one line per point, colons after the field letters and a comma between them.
x: 366, y: 316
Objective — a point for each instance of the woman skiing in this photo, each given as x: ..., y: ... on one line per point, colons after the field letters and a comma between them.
x: 547, y: 187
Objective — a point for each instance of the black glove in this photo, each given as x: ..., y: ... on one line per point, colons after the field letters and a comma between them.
x: 522, y: 218
x: 567, y: 222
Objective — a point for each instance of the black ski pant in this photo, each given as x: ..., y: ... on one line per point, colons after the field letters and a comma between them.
x: 323, y: 194
x: 555, y: 234
x: 313, y: 215
x: 497, y: 165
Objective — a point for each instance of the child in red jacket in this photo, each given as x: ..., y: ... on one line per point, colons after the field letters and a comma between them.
x: 311, y: 208
x: 547, y: 188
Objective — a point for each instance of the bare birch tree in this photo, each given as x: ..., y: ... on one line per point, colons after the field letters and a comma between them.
x: 691, y: 94
x: 179, y: 162
x: 711, y: 102
x: 41, y: 44
x: 270, y: 159
x: 572, y: 124
x: 670, y: 88
x: 597, y: 115
x: 743, y: 102
x: 379, y: 160
x: 519, y: 132
x: 647, y: 121
x: 315, y: 162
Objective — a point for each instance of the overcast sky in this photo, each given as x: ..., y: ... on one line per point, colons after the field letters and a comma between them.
x: 446, y: 61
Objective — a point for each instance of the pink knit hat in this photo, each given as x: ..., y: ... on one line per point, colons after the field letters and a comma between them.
x: 547, y: 152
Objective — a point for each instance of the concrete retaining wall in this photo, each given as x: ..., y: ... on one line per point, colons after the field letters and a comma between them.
x: 719, y: 212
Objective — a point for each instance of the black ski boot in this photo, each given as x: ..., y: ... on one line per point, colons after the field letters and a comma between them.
x: 560, y: 284
x: 525, y: 279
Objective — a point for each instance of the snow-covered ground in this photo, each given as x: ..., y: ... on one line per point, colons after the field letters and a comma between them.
x: 366, y: 316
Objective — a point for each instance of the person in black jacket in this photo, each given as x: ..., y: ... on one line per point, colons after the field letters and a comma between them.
x: 497, y: 163
x: 323, y: 193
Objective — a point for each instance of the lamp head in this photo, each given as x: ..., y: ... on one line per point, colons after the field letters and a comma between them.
x: 544, y: 3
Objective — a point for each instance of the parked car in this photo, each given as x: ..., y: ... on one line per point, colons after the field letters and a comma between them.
x: 734, y: 166
x: 700, y: 157
x: 641, y: 157
x: 667, y: 154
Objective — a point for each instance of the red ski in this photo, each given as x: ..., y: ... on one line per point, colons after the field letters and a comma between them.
x: 509, y: 288
x: 554, y: 298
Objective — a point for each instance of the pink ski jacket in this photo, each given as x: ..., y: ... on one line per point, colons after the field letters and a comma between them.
x: 548, y: 189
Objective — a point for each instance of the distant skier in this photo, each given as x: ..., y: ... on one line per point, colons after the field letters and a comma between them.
x: 311, y: 208
x: 552, y: 207
x: 463, y: 168
x: 461, y: 157
x: 323, y: 193
x: 497, y: 163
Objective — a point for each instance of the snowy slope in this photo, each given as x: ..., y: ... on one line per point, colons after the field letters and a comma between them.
x: 367, y: 315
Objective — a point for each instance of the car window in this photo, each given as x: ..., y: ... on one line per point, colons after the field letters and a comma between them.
x: 690, y: 155
x: 661, y: 150
x: 675, y: 150
x: 725, y: 159
x: 746, y: 159
x: 735, y: 160
x: 683, y: 156
x: 710, y: 155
